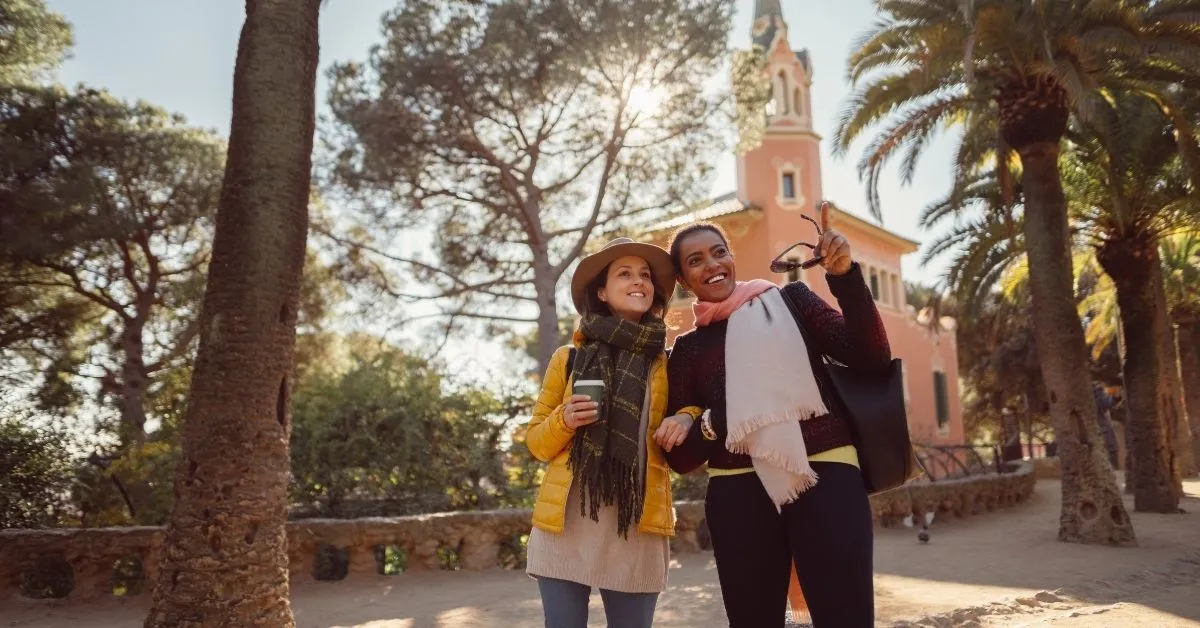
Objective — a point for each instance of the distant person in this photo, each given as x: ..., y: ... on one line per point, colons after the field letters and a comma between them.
x: 604, y: 514
x: 785, y: 484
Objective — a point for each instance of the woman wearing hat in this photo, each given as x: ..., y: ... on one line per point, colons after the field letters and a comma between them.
x: 604, y: 514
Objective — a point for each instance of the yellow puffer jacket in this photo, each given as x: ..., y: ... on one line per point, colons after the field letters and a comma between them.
x: 549, y: 438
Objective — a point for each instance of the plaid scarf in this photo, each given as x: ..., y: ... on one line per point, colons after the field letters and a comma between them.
x: 604, y: 455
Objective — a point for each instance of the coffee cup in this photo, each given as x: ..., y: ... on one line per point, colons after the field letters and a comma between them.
x: 593, y: 388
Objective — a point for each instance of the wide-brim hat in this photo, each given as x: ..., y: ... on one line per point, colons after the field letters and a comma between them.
x: 589, y: 267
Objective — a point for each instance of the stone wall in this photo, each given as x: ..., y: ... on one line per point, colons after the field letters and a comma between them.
x: 84, y: 564
x: 959, y: 497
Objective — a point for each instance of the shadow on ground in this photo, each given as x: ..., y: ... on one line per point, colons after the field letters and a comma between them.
x: 1015, y: 554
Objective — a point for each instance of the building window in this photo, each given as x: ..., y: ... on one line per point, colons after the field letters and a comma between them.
x: 941, y: 397
x: 782, y: 91
x: 875, y: 283
x: 789, y: 185
x: 796, y: 102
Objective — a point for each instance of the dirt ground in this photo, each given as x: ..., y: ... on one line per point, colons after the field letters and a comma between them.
x: 1002, y: 569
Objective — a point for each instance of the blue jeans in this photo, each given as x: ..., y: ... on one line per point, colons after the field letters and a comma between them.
x: 566, y: 605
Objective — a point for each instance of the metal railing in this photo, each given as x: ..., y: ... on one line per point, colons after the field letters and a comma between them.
x: 943, y: 462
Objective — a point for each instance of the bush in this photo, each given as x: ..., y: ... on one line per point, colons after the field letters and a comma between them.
x: 36, y: 471
x: 390, y: 436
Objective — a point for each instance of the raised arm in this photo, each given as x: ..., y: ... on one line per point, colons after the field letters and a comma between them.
x: 684, y: 395
x: 547, y: 434
x: 855, y: 336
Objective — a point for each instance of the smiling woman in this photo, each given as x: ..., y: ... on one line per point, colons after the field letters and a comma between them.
x: 603, y: 512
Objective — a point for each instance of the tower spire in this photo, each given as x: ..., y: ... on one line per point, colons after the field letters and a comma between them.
x: 766, y: 7
x: 767, y: 23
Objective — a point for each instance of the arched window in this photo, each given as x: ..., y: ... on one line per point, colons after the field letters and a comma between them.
x: 797, y: 104
x: 781, y: 88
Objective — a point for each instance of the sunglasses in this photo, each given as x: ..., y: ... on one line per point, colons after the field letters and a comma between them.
x: 779, y: 265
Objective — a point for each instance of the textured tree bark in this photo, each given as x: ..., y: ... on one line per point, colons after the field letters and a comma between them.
x: 1130, y: 264
x: 1187, y: 335
x: 1175, y: 415
x: 225, y: 558
x: 132, y: 396
x: 1092, y: 510
x: 545, y: 284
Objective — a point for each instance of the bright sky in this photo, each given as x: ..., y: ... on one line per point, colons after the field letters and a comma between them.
x: 179, y: 54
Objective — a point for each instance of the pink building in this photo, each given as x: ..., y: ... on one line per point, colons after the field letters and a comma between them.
x: 779, y: 181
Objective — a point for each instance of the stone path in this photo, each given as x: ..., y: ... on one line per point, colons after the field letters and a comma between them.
x: 1000, y: 569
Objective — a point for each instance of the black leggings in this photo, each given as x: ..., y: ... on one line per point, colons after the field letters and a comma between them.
x: 828, y: 530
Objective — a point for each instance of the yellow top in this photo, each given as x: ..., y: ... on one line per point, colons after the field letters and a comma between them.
x: 845, y: 454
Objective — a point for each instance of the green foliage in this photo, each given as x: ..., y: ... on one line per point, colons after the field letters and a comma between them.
x: 390, y: 434
x: 689, y: 487
x: 106, y: 225
x: 928, y: 66
x: 752, y: 91
x: 146, y: 476
x: 392, y: 559
x: 36, y: 40
x: 1127, y: 175
x: 1181, y: 271
x: 36, y: 472
x: 999, y: 366
x: 514, y: 131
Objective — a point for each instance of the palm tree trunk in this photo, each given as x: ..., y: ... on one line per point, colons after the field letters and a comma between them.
x: 1188, y: 335
x: 1092, y: 509
x: 1130, y: 261
x: 1179, y: 434
x: 225, y: 558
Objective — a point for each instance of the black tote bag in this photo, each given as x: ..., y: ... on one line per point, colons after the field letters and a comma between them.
x: 873, y: 406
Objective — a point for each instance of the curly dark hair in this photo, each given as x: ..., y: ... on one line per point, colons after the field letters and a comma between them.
x: 683, y: 233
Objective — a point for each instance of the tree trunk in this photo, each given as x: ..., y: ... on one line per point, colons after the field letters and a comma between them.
x: 1092, y: 509
x: 1179, y: 434
x: 225, y: 560
x: 132, y: 396
x: 1187, y: 334
x: 1129, y: 262
x: 1127, y: 460
x: 545, y: 284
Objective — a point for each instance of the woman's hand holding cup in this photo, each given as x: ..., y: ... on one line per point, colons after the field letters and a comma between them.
x: 580, y: 411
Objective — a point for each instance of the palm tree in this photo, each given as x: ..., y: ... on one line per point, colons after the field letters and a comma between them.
x: 984, y: 239
x: 1128, y: 187
x: 225, y: 560
x: 1180, y: 254
x: 1011, y: 73
x: 1144, y: 190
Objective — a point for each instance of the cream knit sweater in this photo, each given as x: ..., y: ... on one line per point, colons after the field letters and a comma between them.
x: 592, y: 553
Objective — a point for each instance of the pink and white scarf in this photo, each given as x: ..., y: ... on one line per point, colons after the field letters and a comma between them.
x: 769, y: 386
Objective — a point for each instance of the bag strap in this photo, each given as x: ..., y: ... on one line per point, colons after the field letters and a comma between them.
x: 570, y: 361
x: 815, y: 359
x: 799, y: 319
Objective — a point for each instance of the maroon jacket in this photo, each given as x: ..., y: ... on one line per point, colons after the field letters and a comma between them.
x: 696, y: 371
